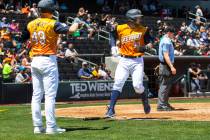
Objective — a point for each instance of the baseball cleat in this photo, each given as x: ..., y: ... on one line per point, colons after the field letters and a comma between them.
x: 55, y: 130
x: 110, y: 113
x: 172, y: 108
x: 39, y: 130
x: 145, y: 103
x: 164, y: 108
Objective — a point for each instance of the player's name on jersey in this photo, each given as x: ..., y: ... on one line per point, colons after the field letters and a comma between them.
x: 131, y: 37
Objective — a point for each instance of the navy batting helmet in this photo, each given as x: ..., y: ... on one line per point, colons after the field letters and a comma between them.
x: 47, y: 5
x: 133, y: 14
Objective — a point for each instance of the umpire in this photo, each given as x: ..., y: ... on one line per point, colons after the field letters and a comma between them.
x: 166, y: 69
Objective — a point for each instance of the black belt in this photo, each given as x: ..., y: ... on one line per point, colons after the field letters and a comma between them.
x: 127, y: 56
x: 42, y: 55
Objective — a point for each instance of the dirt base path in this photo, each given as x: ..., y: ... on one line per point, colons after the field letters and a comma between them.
x: 184, y: 111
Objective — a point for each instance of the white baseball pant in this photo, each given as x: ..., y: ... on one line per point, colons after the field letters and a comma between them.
x: 45, y: 82
x: 133, y: 66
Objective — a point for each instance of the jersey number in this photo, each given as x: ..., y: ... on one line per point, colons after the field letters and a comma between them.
x: 39, y: 37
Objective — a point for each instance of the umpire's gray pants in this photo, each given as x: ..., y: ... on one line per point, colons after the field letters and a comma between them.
x: 165, y: 80
x: 164, y: 90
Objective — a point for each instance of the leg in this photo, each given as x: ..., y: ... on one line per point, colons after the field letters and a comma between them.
x: 137, y: 76
x: 50, y: 86
x: 163, y: 93
x: 38, y: 92
x: 137, y: 73
x: 121, y: 75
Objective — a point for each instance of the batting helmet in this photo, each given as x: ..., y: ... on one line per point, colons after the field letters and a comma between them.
x: 133, y: 14
x: 47, y: 5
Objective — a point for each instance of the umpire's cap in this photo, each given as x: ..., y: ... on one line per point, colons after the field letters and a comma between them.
x: 133, y: 14
x: 47, y: 5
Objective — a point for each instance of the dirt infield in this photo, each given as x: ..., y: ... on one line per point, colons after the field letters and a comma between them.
x: 184, y: 111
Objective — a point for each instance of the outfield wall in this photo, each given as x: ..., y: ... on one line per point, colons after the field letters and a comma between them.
x: 68, y: 91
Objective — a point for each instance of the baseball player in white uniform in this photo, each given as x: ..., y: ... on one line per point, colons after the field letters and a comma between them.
x: 131, y: 47
x: 43, y: 34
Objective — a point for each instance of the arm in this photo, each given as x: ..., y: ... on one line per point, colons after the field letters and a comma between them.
x: 168, y: 61
x: 82, y: 75
x: 192, y: 71
x: 73, y: 28
x: 60, y: 28
x: 167, y: 58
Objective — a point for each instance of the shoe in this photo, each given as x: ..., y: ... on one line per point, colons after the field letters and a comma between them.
x: 39, y: 130
x: 164, y: 108
x: 172, y: 108
x: 145, y: 103
x: 110, y: 113
x: 55, y: 130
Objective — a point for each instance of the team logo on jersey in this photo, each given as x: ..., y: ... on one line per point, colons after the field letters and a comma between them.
x: 130, y: 38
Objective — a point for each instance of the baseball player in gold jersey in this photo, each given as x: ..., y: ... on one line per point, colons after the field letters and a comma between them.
x: 43, y: 33
x: 131, y: 47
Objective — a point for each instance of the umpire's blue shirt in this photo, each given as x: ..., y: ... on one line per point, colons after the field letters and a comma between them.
x: 166, y: 46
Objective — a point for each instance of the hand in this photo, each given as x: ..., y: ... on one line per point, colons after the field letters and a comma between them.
x: 173, y: 70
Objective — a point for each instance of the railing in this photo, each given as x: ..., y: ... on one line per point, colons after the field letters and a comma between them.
x: 103, y: 34
x: 90, y: 55
x: 193, y: 16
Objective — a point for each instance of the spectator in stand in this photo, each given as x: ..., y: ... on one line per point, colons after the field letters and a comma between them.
x: 22, y: 76
x: 199, y: 13
x: 3, y: 23
x: 14, y: 26
x: 95, y: 72
x: 180, y: 40
x: 10, y: 7
x: 61, y: 49
x: 104, y: 72
x: 193, y: 44
x: 71, y: 54
x: 193, y: 27
x: 7, y: 71
x: 203, y: 79
x: 204, y: 35
x: 183, y: 27
x: 194, y: 72
x: 33, y: 11
x: 85, y: 73
x: 25, y: 62
x: 86, y: 30
x: 26, y: 9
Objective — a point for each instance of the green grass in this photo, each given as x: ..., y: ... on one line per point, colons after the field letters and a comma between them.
x: 16, y: 124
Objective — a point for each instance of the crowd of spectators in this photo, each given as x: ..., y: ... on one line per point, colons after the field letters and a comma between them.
x: 16, y: 7
x: 94, y: 73
x: 14, y: 58
x: 193, y: 39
